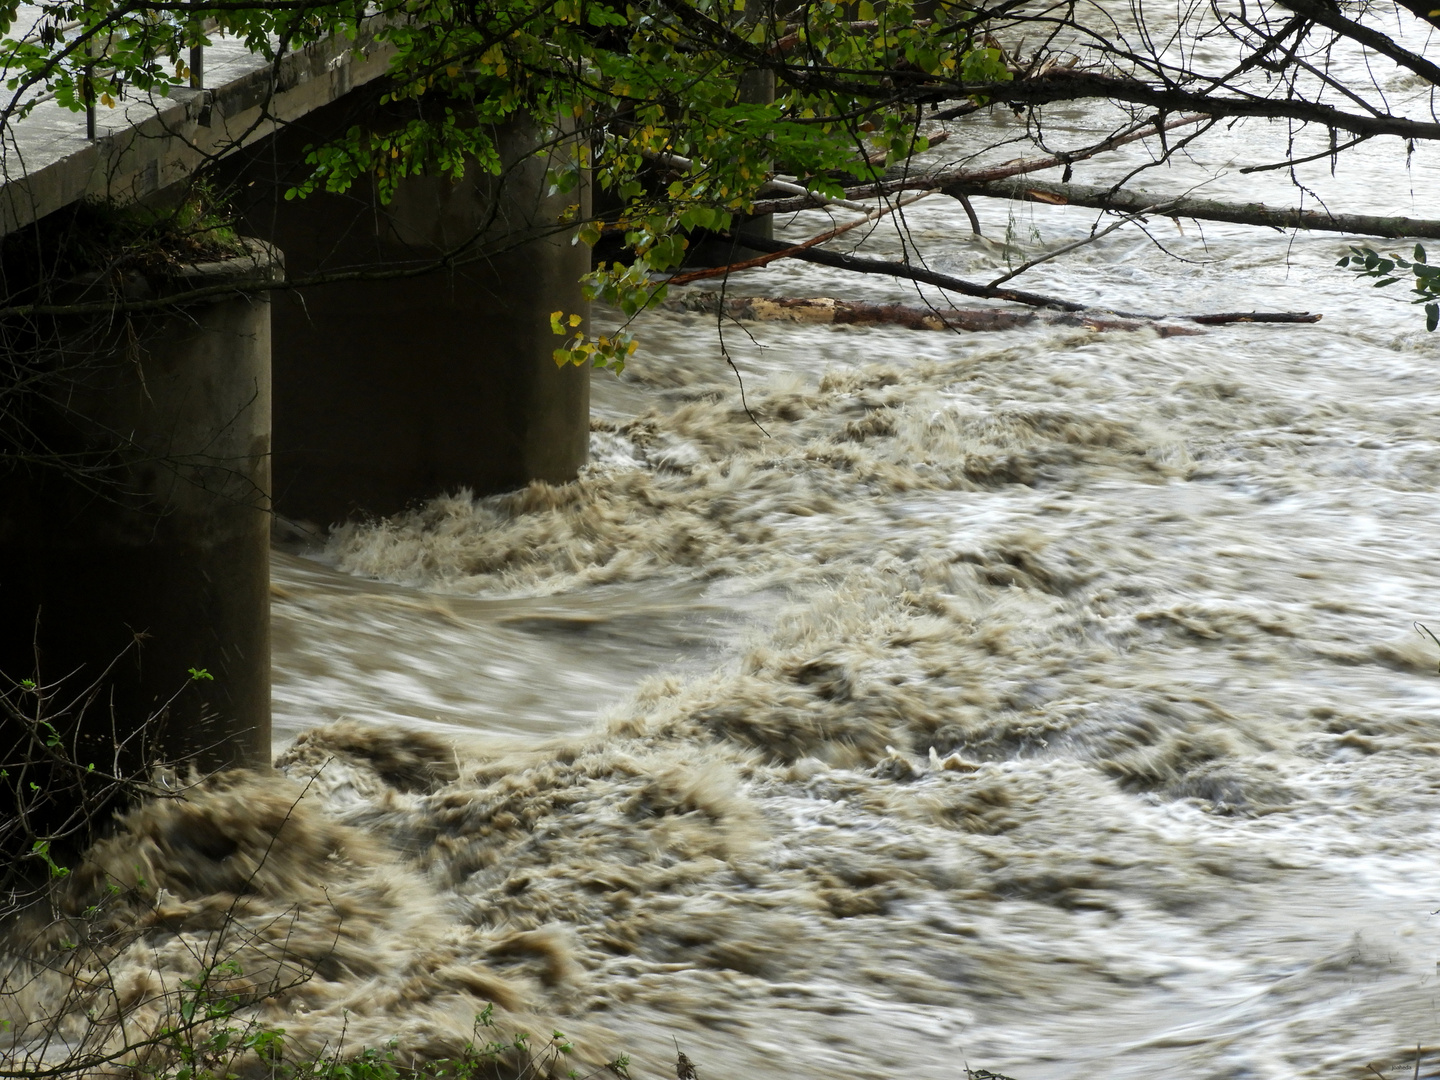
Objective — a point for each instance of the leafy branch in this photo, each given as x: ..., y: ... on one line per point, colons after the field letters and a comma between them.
x: 1367, y: 262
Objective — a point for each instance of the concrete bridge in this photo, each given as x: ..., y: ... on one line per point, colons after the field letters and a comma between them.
x: 384, y: 391
x: 149, y: 142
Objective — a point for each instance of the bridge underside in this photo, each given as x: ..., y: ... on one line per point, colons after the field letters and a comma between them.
x: 386, y: 391
x: 395, y: 389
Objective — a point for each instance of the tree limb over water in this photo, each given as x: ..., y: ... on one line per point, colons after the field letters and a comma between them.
x: 1063, y: 85
x: 1128, y: 201
x: 652, y: 93
x: 950, y: 283
x: 860, y: 265
x: 937, y: 179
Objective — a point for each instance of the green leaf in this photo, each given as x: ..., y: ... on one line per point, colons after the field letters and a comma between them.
x: 589, y: 233
x: 1432, y: 316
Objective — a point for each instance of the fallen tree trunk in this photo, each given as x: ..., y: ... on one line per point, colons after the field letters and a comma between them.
x: 1130, y: 202
x: 825, y: 309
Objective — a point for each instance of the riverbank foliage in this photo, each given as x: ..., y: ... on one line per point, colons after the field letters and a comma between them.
x: 687, y: 112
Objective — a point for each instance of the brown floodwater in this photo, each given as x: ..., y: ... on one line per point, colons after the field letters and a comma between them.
x: 1046, y: 701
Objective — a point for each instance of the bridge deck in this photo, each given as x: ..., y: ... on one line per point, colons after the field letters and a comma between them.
x: 147, y: 143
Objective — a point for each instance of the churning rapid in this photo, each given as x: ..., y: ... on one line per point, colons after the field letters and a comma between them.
x: 1045, y: 701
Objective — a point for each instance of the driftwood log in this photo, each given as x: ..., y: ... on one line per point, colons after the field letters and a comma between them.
x: 824, y: 309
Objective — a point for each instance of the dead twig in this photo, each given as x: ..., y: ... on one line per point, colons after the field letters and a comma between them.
x: 1065, y: 249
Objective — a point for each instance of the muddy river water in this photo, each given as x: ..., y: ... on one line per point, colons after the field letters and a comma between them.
x: 1045, y: 701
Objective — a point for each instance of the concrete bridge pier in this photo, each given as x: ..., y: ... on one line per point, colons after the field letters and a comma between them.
x: 143, y: 528
x: 392, y: 390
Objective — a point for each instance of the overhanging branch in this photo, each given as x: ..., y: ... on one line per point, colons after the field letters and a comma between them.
x: 1328, y: 15
x: 1067, y: 85
x: 1131, y: 202
x: 861, y: 265
x: 936, y: 181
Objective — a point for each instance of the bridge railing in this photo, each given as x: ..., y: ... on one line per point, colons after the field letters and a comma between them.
x: 195, y: 61
x: 149, y: 141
